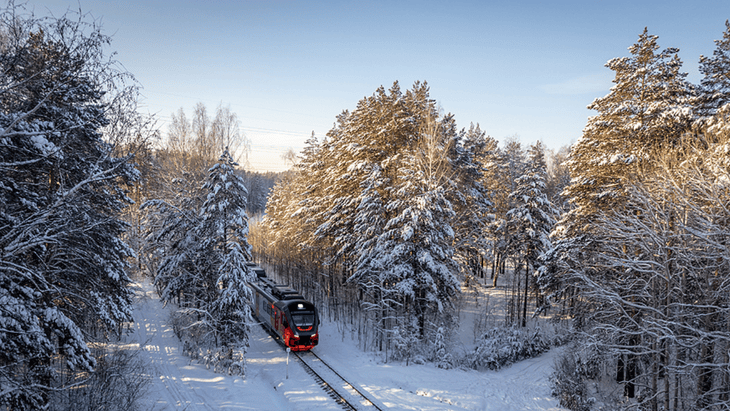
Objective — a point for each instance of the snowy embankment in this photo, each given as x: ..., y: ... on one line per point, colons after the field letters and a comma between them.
x: 179, y: 383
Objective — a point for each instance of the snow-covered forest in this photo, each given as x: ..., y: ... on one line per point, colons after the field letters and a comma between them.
x: 396, y: 209
x: 618, y: 242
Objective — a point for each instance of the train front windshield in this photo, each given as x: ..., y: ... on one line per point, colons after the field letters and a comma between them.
x: 303, y: 319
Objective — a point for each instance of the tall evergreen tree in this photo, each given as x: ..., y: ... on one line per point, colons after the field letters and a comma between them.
x: 224, y: 229
x: 205, y: 250
x: 531, y: 219
x: 715, y: 85
x: 647, y: 110
x: 368, y: 184
x: 508, y: 164
x: 470, y: 155
x: 647, y: 114
x: 415, y: 250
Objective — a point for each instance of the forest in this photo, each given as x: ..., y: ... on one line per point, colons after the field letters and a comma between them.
x: 623, y: 239
x: 619, y: 240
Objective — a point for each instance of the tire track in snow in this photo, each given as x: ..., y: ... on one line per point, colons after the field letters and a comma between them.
x: 159, y: 343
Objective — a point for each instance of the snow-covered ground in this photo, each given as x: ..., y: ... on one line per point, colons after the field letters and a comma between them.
x: 179, y: 383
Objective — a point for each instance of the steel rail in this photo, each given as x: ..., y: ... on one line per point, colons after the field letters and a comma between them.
x: 332, y: 387
x: 326, y: 386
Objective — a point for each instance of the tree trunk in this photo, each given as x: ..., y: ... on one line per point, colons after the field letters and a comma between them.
x: 655, y: 376
x: 704, y: 377
x: 527, y: 294
x: 630, y: 387
x: 498, y: 265
x: 630, y: 375
x: 620, y: 369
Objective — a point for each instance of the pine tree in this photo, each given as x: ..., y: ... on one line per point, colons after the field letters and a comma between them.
x: 384, y: 129
x: 470, y: 155
x: 507, y: 165
x: 374, y: 205
x: 715, y: 85
x: 630, y: 250
x: 205, y: 253
x: 646, y: 111
x: 442, y: 357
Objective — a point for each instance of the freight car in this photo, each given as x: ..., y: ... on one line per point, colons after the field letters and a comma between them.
x: 285, y: 312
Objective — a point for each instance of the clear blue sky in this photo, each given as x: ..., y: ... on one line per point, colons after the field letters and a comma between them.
x: 287, y: 68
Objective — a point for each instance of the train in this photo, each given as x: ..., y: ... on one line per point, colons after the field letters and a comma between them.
x: 285, y: 312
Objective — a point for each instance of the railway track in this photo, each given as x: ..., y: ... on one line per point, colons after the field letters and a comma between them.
x: 342, y: 391
x: 348, y: 395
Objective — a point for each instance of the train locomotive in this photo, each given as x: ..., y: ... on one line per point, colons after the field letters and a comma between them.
x: 285, y: 312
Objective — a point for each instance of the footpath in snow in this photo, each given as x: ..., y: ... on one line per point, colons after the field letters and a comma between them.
x: 179, y: 383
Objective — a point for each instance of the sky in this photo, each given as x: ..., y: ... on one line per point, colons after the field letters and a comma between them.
x: 525, y: 69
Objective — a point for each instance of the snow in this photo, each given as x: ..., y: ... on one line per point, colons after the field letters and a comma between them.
x: 177, y: 382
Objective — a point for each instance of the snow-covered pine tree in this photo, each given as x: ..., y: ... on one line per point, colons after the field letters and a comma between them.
x: 715, y: 85
x: 367, y: 151
x: 441, y: 355
x: 170, y: 250
x: 224, y: 232
x: 277, y: 220
x: 362, y: 178
x: 205, y: 253
x: 62, y: 262
x: 307, y: 190
x: 610, y: 245
x: 530, y: 220
x: 331, y: 198
x: 647, y: 110
x: 414, y: 256
x: 374, y: 137
x: 405, y: 340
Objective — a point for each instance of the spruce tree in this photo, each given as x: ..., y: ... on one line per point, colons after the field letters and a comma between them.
x: 506, y: 166
x: 531, y: 219
x: 415, y: 251
x: 470, y: 155
x: 224, y: 231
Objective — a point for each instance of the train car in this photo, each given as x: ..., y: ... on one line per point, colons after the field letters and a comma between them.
x: 285, y: 312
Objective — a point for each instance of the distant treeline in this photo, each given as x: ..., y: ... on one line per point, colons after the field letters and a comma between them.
x: 259, y: 186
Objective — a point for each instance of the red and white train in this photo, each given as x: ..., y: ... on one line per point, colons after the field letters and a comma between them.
x: 285, y: 312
